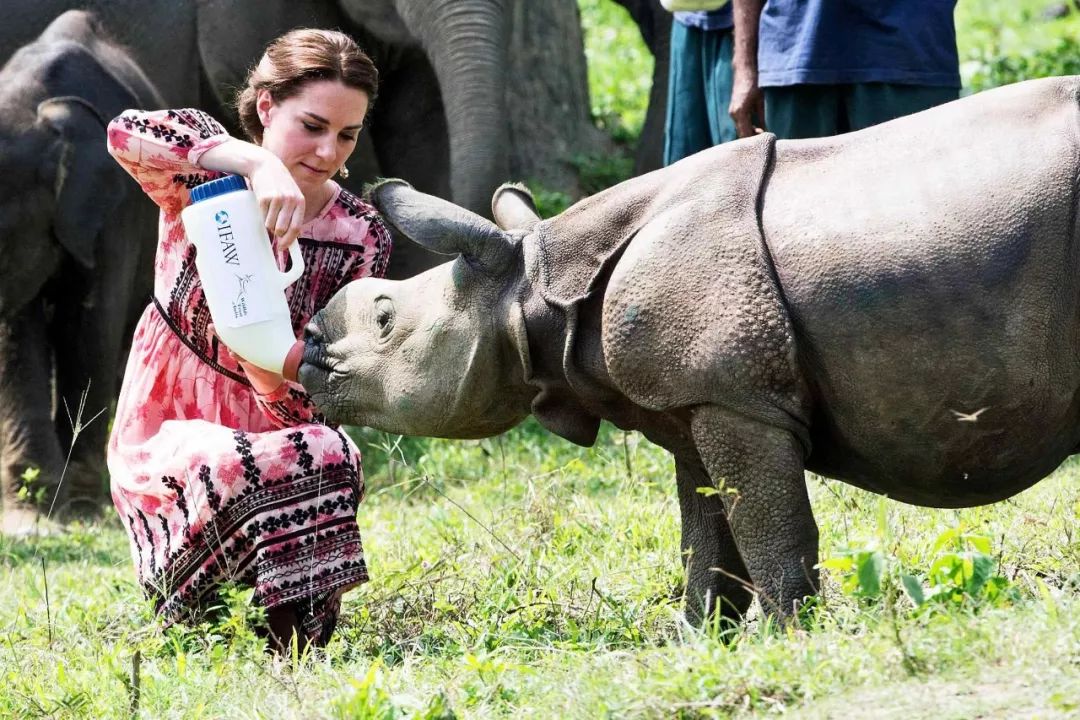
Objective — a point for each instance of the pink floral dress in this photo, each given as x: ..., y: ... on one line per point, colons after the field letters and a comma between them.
x: 213, y: 481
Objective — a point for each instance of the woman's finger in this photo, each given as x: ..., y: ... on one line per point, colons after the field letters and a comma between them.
x: 272, y: 215
x: 285, y: 218
x: 295, y: 225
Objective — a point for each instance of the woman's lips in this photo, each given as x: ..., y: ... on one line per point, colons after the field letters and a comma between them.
x: 312, y: 170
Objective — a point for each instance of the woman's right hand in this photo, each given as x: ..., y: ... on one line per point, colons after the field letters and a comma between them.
x: 279, y: 198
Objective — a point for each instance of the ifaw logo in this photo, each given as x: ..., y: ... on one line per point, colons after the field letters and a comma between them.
x: 225, y: 238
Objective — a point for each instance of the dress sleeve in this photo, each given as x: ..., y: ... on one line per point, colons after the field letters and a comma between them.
x: 161, y: 150
x: 289, y: 405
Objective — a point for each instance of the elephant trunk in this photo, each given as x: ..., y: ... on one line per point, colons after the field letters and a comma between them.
x: 466, y: 43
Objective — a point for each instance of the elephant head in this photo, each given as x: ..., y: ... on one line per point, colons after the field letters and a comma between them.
x: 58, y: 184
x: 442, y: 354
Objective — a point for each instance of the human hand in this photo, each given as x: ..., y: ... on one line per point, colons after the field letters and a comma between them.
x: 279, y: 198
x: 747, y: 103
x: 264, y: 382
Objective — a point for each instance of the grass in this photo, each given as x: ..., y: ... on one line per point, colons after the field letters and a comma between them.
x: 525, y: 577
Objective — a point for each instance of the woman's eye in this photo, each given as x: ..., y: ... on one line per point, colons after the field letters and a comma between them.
x: 311, y: 127
x: 348, y: 138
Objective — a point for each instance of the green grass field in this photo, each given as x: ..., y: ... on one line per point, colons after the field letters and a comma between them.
x: 524, y: 577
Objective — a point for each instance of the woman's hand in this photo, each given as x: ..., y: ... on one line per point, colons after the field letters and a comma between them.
x: 279, y: 198
x: 264, y: 382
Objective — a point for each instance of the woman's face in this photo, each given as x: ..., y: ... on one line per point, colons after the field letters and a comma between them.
x: 314, y: 131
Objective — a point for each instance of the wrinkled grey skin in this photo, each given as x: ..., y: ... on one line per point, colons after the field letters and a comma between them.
x: 159, y: 35
x: 897, y: 308
x: 75, y: 253
x: 441, y: 114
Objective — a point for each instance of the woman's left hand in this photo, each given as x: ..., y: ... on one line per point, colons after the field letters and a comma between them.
x: 264, y: 382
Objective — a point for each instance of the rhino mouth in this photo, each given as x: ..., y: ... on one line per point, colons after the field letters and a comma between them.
x: 314, y: 373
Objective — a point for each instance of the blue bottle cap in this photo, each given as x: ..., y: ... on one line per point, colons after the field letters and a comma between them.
x: 227, y: 184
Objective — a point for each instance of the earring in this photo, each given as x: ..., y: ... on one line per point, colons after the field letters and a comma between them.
x: 344, y: 173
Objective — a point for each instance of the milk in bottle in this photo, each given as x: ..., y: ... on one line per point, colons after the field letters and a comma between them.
x: 244, y: 288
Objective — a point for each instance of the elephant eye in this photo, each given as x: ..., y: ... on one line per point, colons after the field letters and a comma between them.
x: 384, y: 316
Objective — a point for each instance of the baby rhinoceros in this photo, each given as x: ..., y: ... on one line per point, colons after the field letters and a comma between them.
x: 897, y: 308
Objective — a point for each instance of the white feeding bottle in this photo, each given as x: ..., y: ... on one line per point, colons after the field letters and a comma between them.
x: 243, y: 285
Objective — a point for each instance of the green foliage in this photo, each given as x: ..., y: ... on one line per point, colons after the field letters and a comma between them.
x: 1006, y: 42
x: 620, y: 68
x: 598, y: 173
x: 549, y: 202
x: 30, y: 489
x: 963, y: 574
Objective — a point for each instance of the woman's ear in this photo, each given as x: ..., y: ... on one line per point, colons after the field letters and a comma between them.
x: 263, y: 104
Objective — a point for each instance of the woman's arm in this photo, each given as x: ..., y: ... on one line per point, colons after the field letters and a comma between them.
x: 279, y: 198
x: 168, y: 152
x: 161, y: 150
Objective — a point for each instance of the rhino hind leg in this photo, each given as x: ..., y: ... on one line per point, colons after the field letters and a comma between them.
x: 758, y: 469
x: 716, y: 577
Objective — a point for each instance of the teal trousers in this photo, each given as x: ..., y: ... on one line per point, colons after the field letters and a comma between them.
x: 699, y: 91
x: 808, y: 111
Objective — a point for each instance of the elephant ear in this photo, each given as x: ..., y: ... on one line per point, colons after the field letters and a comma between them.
x: 89, y: 185
x: 443, y: 227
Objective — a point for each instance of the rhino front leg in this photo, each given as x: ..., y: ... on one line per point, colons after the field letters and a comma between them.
x: 759, y: 469
x: 716, y: 578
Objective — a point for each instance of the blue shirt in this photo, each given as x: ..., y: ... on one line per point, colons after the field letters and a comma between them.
x: 831, y: 42
x: 719, y: 19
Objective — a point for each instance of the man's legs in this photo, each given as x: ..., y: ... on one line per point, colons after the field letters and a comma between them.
x: 718, y: 46
x: 803, y: 111
x: 868, y: 104
x: 699, y: 91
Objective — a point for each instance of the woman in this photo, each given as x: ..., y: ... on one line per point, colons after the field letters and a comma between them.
x: 222, y: 471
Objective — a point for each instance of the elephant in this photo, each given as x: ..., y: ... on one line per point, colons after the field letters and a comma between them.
x: 896, y: 308
x: 159, y: 36
x: 75, y: 262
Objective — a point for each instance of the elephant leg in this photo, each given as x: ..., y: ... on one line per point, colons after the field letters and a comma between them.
x: 31, y: 461
x: 759, y: 468
x: 84, y: 393
x: 88, y: 337
x: 716, y: 578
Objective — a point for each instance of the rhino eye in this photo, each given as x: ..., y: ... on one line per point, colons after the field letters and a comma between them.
x: 384, y: 316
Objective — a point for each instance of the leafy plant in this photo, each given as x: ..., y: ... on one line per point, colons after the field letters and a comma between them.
x: 963, y: 574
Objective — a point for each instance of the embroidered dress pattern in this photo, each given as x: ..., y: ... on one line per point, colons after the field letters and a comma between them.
x: 214, y: 481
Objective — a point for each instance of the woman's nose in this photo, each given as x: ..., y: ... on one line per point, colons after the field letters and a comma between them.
x: 325, y: 151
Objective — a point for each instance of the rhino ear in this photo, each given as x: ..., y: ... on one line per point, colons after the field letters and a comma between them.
x: 441, y: 226
x: 513, y: 207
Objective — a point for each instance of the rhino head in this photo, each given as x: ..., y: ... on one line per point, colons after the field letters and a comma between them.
x: 442, y: 354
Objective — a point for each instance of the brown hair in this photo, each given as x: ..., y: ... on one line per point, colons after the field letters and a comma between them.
x: 298, y: 57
